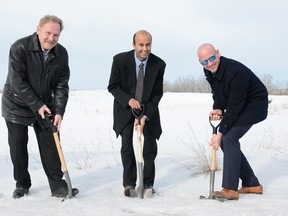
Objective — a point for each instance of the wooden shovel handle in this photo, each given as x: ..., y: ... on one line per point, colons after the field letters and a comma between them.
x: 139, y: 142
x: 213, y: 165
x: 60, y: 152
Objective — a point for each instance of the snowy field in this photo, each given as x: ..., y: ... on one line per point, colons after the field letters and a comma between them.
x: 92, y: 154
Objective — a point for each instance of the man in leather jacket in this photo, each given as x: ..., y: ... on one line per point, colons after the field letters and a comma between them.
x: 37, y: 83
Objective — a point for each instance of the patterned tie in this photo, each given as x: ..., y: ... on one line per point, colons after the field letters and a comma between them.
x: 140, y: 83
x: 45, y: 54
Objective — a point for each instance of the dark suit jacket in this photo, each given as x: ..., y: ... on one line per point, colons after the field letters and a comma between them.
x: 238, y: 91
x: 122, y: 86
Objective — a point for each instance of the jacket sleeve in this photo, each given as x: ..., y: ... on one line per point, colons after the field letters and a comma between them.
x: 114, y: 86
x: 157, y: 92
x: 61, y: 90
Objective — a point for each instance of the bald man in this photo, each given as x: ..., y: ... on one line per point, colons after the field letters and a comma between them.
x: 122, y: 85
x: 241, y: 99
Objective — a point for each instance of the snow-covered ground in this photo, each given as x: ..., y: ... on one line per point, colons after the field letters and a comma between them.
x: 92, y: 154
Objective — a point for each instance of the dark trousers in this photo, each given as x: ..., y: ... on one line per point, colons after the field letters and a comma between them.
x: 129, y: 160
x: 235, y: 163
x: 18, y: 140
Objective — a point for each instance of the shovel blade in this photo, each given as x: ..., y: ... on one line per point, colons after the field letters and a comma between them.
x: 212, y: 180
x: 133, y: 193
x: 140, y: 188
x: 148, y: 193
x: 211, y: 188
x: 69, y: 185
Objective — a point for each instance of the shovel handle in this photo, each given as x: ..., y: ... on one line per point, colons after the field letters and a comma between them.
x: 138, y: 113
x: 60, y: 152
x: 139, y: 141
x: 214, y: 126
x: 213, y: 165
x: 49, y: 120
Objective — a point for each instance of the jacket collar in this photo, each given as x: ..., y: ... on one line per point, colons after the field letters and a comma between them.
x: 220, y: 71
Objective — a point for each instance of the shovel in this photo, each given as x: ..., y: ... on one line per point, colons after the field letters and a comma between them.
x: 213, y: 165
x: 60, y: 153
x: 138, y: 114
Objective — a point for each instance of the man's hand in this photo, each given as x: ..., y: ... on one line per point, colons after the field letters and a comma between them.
x: 42, y: 111
x: 134, y: 104
x: 215, y: 114
x: 216, y: 141
x: 57, y: 121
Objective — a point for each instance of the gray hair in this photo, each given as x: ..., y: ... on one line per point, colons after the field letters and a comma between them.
x: 49, y: 18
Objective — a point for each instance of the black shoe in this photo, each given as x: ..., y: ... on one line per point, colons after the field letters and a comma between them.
x: 20, y: 192
x: 63, y: 192
x: 130, y: 191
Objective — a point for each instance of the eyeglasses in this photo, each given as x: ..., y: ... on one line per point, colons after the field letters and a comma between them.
x: 211, y: 59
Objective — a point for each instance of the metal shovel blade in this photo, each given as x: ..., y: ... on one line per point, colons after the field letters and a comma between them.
x: 140, y: 188
x: 68, y: 181
x: 212, y: 180
x: 211, y: 189
x: 133, y: 193
x: 148, y: 193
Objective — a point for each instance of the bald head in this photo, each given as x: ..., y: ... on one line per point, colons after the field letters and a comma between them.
x: 206, y: 48
x: 142, y: 33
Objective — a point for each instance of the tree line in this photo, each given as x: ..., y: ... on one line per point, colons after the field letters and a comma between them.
x: 200, y: 85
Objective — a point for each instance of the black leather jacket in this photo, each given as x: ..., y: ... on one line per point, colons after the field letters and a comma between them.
x: 31, y: 82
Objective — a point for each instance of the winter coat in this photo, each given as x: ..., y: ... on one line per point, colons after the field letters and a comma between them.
x: 32, y: 82
x: 239, y: 93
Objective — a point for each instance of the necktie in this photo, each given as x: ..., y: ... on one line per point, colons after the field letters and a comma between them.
x: 140, y: 83
x: 45, y: 54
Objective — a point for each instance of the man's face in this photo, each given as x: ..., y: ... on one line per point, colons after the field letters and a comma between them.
x: 209, y: 58
x: 142, y: 45
x: 48, y: 34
